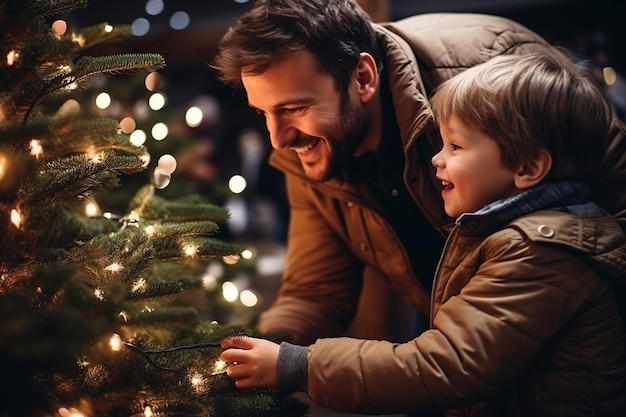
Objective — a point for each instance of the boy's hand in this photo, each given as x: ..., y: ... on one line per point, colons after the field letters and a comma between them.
x: 253, y: 363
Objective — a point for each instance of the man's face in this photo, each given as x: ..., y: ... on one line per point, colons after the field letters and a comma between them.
x: 304, y: 111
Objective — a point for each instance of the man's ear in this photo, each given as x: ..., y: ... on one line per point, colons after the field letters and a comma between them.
x: 534, y: 170
x: 366, y: 75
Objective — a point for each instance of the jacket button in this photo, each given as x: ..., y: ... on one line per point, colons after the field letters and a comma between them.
x: 363, y: 246
x: 545, y: 230
x: 350, y: 204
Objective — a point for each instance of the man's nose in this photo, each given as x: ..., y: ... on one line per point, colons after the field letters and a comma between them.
x: 281, y: 132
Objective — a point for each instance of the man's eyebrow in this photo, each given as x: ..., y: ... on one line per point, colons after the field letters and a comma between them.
x: 301, y: 101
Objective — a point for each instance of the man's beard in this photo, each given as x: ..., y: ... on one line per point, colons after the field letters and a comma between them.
x: 344, y: 139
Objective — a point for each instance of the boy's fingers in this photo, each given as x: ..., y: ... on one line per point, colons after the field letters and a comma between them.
x: 233, y: 355
x: 241, y: 342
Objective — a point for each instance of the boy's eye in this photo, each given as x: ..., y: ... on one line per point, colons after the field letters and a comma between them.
x: 454, y: 146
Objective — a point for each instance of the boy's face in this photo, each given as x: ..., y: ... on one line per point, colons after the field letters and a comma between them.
x: 305, y: 112
x: 470, y: 168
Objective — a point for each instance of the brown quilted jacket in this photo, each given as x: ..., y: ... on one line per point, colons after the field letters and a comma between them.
x: 550, y: 341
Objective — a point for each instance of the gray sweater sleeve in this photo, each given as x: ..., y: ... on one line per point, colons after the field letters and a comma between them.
x: 292, y: 368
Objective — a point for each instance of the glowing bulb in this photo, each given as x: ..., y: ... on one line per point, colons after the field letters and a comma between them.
x: 247, y: 254
x: 99, y: 294
x: 103, y: 100
x: 108, y: 28
x: 124, y: 316
x: 219, y: 367
x: 209, y: 282
x: 127, y: 125
x: 193, y: 116
x: 16, y: 218
x: 59, y: 27
x: 153, y: 81
x: 114, y: 267
x: 160, y: 131
x: 237, y: 184
x: 167, y: 163
x: 92, y: 209
x: 190, y: 250
x: 12, y: 56
x: 115, y: 342
x: 156, y: 101
x: 248, y: 298
x: 138, y: 137
x: 230, y: 292
x: 147, y: 411
x: 36, y: 149
x: 140, y: 284
x: 160, y: 178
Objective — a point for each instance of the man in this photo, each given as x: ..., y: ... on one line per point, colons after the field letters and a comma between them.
x: 346, y: 106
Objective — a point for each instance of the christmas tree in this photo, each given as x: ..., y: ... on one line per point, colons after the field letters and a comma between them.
x: 92, y: 324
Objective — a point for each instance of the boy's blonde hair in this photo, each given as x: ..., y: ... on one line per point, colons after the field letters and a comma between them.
x: 528, y: 102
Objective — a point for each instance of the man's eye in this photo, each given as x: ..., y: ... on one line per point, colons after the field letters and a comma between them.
x: 259, y: 112
x: 294, y: 110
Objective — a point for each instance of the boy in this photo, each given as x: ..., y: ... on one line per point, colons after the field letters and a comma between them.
x: 524, y: 318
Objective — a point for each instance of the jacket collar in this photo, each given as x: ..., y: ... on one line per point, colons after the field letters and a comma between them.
x: 565, y: 196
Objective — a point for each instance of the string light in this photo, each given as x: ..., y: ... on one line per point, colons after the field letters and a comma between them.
x: 156, y: 101
x: 230, y: 292
x: 12, y: 56
x: 167, y: 163
x: 59, y: 27
x: 103, y: 100
x: 36, y: 149
x: 247, y: 254
x: 160, y: 131
x: 219, y: 367
x: 114, y: 267
x: 124, y: 316
x: 92, y: 209
x: 153, y: 81
x: 248, y: 298
x: 99, y: 294
x: 116, y: 342
x: 139, y: 284
x: 237, y: 184
x: 190, y: 250
x: 127, y: 125
x: 16, y: 218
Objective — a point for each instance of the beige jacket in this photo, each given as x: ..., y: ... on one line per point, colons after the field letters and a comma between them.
x: 550, y: 341
x: 337, y: 230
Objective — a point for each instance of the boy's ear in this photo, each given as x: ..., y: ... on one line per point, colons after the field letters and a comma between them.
x: 534, y: 170
x: 366, y: 75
